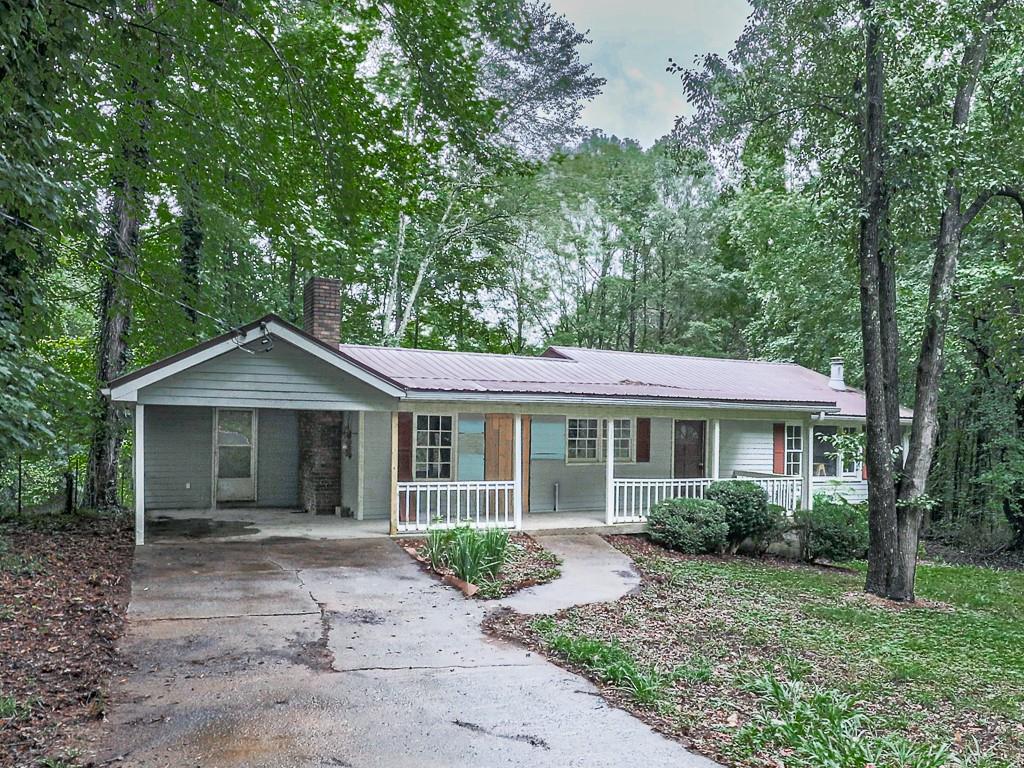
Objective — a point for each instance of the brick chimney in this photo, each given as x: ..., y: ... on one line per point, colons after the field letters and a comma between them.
x: 320, y: 432
x: 321, y: 309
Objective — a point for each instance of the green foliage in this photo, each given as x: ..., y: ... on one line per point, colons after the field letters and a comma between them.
x: 747, y: 512
x: 693, y: 526
x: 820, y: 727
x: 12, y: 709
x: 608, y: 662
x: 833, y: 529
x: 475, y: 556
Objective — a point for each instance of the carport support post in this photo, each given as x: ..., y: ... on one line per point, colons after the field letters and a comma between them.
x: 517, y: 470
x: 138, y: 451
x: 609, y: 471
x: 394, y: 473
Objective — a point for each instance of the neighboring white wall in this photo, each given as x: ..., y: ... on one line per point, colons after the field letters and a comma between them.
x: 853, y: 490
x: 746, y: 446
x: 285, y: 377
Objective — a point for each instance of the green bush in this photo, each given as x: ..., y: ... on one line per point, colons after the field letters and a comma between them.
x: 474, y: 556
x: 747, y: 512
x: 693, y: 526
x: 833, y: 529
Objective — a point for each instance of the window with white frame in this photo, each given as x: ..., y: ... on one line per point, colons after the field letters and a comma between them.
x: 434, y: 437
x: 794, y: 448
x: 623, y: 438
x: 581, y: 440
x: 827, y: 455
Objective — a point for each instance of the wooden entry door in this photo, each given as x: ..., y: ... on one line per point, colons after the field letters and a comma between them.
x: 499, y: 451
x: 688, y: 457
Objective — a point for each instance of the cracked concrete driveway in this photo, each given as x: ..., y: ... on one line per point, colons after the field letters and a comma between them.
x: 341, y: 653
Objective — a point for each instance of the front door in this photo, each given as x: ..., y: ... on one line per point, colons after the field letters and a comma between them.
x: 688, y: 458
x: 235, y: 454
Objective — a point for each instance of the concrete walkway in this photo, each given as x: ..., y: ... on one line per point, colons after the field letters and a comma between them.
x: 593, y: 571
x: 342, y: 653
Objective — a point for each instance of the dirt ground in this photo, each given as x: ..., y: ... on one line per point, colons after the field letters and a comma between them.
x: 64, y: 588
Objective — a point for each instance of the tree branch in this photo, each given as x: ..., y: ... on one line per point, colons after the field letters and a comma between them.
x: 983, y: 199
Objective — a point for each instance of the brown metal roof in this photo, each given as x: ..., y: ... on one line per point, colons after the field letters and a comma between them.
x: 599, y: 373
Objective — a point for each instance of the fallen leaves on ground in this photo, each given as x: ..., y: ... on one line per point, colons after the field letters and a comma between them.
x: 64, y: 588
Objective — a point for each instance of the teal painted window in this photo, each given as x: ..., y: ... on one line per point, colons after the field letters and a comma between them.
x: 471, y: 447
x: 547, y: 439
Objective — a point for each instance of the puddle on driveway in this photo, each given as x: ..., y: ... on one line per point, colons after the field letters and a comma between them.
x: 199, y: 527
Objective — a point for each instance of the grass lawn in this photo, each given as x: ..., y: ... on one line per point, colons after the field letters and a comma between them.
x: 771, y: 663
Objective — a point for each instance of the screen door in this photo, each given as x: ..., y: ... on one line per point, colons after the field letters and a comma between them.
x: 236, y: 455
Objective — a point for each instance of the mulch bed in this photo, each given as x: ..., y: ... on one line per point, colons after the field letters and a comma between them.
x: 528, y: 565
x: 64, y: 589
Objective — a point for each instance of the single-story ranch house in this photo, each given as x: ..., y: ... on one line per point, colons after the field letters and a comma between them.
x: 276, y: 417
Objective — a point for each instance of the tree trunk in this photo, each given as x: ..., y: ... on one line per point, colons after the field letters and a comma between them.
x: 121, y: 252
x: 115, y: 315
x: 887, y: 566
x: 191, y: 254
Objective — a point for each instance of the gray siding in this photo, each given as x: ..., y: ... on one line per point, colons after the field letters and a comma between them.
x: 277, y: 459
x: 179, y: 458
x: 284, y: 377
x: 746, y: 446
x: 377, y: 466
x: 178, y: 452
x: 350, y: 466
x: 581, y: 487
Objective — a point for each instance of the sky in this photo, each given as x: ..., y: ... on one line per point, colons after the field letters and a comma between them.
x: 632, y: 43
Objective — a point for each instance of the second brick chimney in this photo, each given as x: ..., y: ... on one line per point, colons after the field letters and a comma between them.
x: 320, y: 432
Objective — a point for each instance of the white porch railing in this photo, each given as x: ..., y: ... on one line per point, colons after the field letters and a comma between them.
x: 633, y: 498
x: 484, y: 503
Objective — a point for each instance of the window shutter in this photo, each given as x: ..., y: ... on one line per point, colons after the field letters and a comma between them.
x: 643, y: 440
x: 404, y: 447
x: 779, y: 449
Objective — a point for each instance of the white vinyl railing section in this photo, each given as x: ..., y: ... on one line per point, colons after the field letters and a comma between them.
x: 484, y: 503
x: 634, y: 498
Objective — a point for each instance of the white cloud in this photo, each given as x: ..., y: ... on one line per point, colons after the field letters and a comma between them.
x: 632, y: 43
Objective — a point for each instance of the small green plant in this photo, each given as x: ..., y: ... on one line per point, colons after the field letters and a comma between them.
x: 747, y: 512
x: 608, y: 662
x: 833, y: 529
x: 12, y: 709
x: 474, y: 556
x: 692, y: 526
x: 822, y: 727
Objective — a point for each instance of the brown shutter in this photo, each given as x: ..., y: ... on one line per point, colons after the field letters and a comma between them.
x: 643, y: 440
x: 404, y: 447
x: 779, y: 449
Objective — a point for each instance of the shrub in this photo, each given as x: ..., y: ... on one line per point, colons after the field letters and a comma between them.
x: 833, y: 529
x: 471, y: 555
x: 693, y: 526
x: 747, y: 512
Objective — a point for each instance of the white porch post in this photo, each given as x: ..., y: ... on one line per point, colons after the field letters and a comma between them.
x: 394, y: 473
x: 609, y: 472
x: 716, y: 446
x: 807, y: 466
x: 139, y: 451
x: 360, y: 461
x: 517, y: 470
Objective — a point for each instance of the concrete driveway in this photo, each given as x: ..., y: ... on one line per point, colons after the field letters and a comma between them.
x: 341, y: 653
